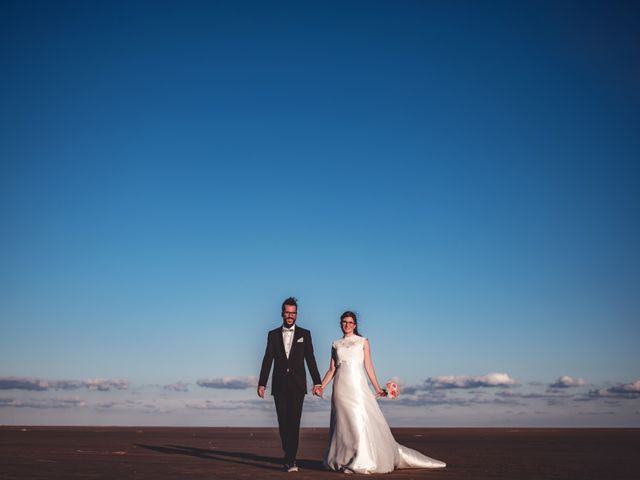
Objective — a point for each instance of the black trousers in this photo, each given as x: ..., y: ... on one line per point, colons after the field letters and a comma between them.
x: 289, y: 409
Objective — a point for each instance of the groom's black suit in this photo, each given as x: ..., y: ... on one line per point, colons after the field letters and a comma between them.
x: 289, y: 383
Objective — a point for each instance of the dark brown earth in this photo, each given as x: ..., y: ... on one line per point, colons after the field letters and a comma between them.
x: 174, y: 453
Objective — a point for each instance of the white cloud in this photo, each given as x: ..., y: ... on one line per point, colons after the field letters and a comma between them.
x: 233, y: 383
x: 18, y: 383
x: 566, y: 382
x: 43, y: 403
x: 633, y: 387
x: 177, y: 387
x: 37, y: 384
x: 152, y: 408
x: 551, y: 398
x: 411, y: 389
x: 468, y: 381
x: 106, y: 384
x: 629, y: 391
x: 439, y: 397
x: 223, y: 405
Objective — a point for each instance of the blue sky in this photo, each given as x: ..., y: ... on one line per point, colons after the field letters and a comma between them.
x: 462, y: 175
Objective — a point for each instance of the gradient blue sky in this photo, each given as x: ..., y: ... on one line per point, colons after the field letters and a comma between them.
x: 462, y: 174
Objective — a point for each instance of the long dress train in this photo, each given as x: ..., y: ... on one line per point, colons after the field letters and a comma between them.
x: 360, y: 440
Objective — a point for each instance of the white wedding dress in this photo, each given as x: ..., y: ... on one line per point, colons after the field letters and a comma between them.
x: 360, y: 440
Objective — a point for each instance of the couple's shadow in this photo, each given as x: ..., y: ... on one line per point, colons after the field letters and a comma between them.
x: 242, y: 458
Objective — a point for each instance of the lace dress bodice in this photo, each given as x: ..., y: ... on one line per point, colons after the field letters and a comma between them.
x: 349, y: 350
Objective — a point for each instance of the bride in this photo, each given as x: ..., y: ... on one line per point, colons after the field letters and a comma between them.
x: 360, y: 440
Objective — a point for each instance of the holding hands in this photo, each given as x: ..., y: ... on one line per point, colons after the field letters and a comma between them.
x: 317, y: 390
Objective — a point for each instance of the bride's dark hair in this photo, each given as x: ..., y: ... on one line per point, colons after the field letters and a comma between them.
x: 351, y: 314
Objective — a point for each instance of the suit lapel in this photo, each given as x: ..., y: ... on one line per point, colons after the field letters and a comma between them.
x: 280, y: 342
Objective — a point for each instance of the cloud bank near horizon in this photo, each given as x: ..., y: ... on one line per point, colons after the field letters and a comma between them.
x: 626, y: 391
x: 43, y: 403
x: 232, y: 383
x: 469, y: 381
x: 471, y: 393
x: 37, y: 384
x: 177, y: 387
x: 464, y: 382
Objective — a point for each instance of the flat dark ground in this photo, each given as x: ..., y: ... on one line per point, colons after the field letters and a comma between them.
x: 173, y: 453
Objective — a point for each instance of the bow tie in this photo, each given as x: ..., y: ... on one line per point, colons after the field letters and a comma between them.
x: 287, y: 330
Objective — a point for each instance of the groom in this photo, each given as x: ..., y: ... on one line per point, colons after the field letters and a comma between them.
x: 289, y: 346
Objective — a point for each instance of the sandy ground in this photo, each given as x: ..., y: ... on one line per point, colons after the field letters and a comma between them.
x: 174, y: 453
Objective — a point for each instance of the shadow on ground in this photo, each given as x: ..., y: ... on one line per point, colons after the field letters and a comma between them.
x: 241, y: 458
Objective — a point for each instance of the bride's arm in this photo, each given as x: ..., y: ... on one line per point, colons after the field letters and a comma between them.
x: 332, y: 370
x: 368, y: 365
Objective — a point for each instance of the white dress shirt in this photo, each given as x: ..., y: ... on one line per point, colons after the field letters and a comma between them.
x: 287, y: 338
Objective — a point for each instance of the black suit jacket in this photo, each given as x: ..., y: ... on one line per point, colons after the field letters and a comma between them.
x: 289, y: 374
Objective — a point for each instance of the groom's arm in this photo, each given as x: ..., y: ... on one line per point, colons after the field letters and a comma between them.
x: 267, y: 360
x: 311, y: 362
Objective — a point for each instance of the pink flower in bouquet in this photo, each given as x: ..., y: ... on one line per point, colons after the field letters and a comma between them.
x: 393, y: 390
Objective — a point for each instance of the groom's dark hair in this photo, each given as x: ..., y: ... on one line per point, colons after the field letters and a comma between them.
x: 291, y: 301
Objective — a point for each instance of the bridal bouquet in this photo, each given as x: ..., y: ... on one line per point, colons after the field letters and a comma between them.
x: 392, y: 390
